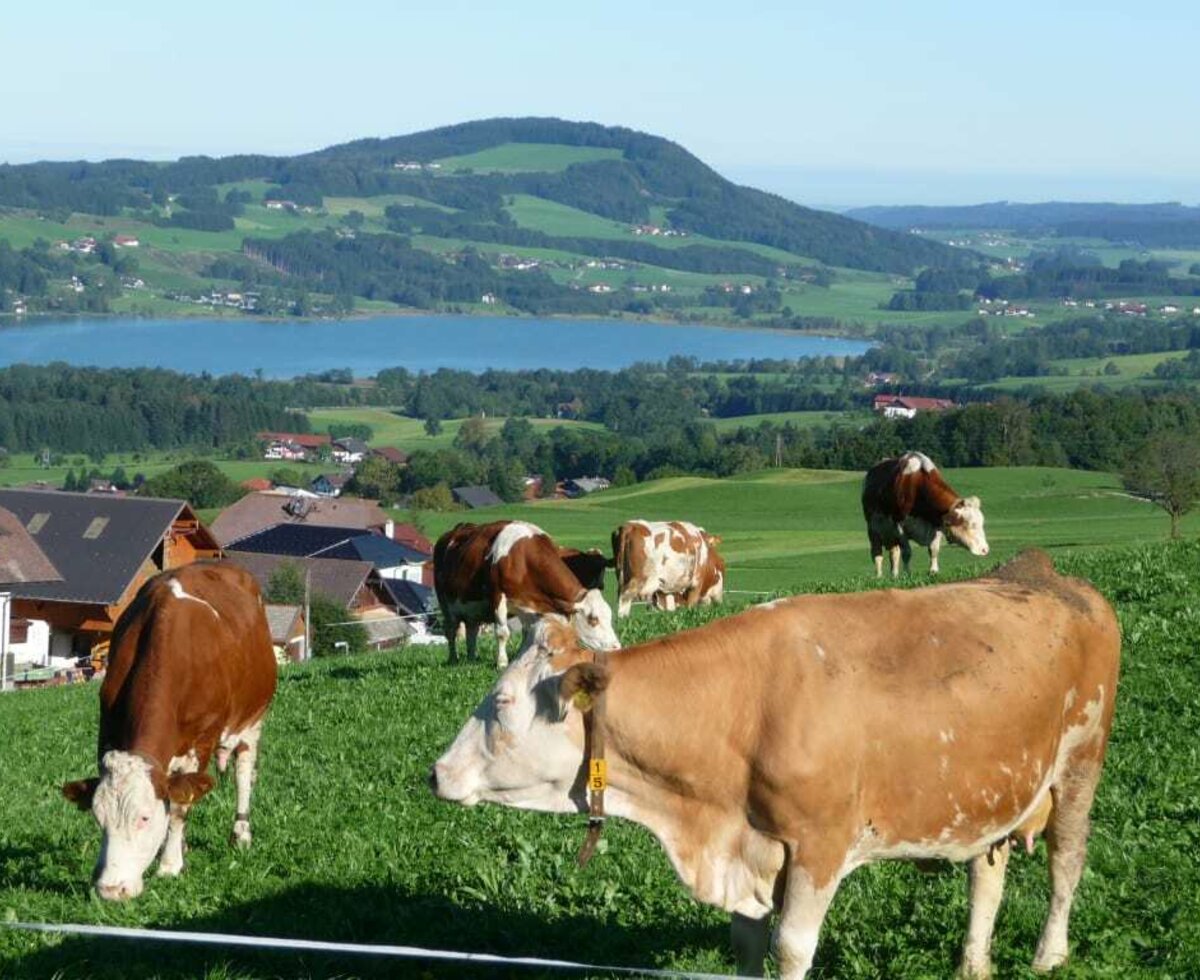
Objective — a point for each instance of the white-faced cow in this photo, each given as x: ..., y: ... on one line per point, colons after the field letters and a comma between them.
x: 905, y: 499
x: 191, y: 673
x: 485, y: 573
x: 659, y: 561
x: 775, y: 751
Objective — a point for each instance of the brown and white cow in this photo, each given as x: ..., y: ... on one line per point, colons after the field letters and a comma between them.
x: 191, y: 673
x: 658, y: 561
x: 775, y: 751
x: 587, y: 566
x: 905, y: 499
x: 484, y: 573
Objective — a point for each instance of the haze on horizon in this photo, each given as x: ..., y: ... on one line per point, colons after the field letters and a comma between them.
x: 832, y: 105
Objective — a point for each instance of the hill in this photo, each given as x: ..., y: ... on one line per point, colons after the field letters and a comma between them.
x: 535, y: 215
x: 1169, y: 225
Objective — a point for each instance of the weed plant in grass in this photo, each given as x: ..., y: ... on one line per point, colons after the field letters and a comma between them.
x: 350, y: 845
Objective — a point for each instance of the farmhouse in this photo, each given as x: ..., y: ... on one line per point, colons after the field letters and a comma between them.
x: 349, y: 450
x: 330, y: 484
x: 389, y: 558
x: 258, y: 511
x: 475, y: 497
x: 581, y: 486
x: 126, y: 241
x: 397, y: 457
x: 287, y: 632
x: 82, y: 557
x: 907, y: 406
x: 292, y: 445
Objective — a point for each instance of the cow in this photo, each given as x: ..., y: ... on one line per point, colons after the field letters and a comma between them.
x: 660, y: 561
x: 191, y: 674
x: 775, y: 751
x: 905, y: 499
x: 483, y: 573
x: 587, y: 566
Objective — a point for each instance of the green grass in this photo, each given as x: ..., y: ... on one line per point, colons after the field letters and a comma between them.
x: 351, y: 846
x: 1134, y: 369
x: 404, y: 432
x: 24, y: 469
x: 801, y: 420
x: 793, y: 528
x: 521, y: 157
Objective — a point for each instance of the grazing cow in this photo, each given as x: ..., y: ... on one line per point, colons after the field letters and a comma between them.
x: 905, y: 499
x: 483, y: 573
x: 775, y: 751
x: 191, y: 672
x: 587, y: 566
x: 659, y: 561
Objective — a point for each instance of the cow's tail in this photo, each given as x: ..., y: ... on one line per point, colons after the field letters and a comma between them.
x: 620, y: 548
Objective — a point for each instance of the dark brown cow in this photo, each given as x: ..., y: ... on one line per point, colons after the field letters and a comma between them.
x: 775, y: 751
x: 483, y: 573
x: 191, y: 673
x: 905, y: 499
x: 587, y: 566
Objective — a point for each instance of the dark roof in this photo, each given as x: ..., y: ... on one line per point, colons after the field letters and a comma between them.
x: 413, y: 598
x: 476, y: 496
x: 352, y: 445
x: 97, y: 542
x: 299, y: 540
x: 392, y: 454
x: 21, y: 560
x: 379, y: 551
x: 281, y: 620
x: 333, y: 479
x: 339, y: 580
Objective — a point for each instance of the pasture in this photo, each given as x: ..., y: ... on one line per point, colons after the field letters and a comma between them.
x: 519, y: 157
x: 789, y: 529
x: 351, y: 846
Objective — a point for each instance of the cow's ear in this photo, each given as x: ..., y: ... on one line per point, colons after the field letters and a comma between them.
x: 185, y: 788
x: 581, y: 684
x: 80, y: 792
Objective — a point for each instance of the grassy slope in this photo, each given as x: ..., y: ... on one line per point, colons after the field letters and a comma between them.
x: 1134, y: 369
x: 350, y: 846
x: 390, y: 429
x: 516, y: 157
x: 792, y: 528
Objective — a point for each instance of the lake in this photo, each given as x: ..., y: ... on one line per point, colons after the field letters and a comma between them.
x: 284, y: 349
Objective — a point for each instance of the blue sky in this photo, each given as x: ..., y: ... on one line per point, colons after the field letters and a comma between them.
x: 828, y: 103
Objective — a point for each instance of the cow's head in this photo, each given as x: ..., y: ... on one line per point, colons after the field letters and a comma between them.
x: 963, y: 525
x: 712, y: 539
x: 592, y: 619
x: 130, y: 800
x: 523, y: 746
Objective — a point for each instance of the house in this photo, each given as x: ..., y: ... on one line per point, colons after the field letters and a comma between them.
x: 583, y: 485
x: 258, y: 511
x: 288, y: 632
x: 907, y: 406
x: 411, y: 535
x: 292, y: 445
x: 397, y: 457
x: 101, y: 548
x: 389, y: 558
x: 331, y: 484
x: 256, y: 484
x: 125, y: 241
x: 349, y: 450
x: 417, y: 604
x: 877, y: 378
x: 475, y: 497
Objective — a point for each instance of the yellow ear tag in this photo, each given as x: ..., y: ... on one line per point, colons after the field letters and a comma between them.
x: 582, y: 700
x: 597, y: 775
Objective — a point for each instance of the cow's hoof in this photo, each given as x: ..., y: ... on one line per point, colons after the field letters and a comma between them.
x: 975, y: 970
x: 241, y: 836
x: 169, y: 869
x: 1046, y: 962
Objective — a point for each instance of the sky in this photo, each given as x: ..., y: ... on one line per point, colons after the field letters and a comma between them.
x: 831, y: 104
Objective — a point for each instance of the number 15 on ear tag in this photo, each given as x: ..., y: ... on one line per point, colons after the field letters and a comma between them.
x: 597, y: 775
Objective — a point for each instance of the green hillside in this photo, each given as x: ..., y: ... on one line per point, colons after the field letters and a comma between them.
x: 788, y: 529
x: 517, y: 210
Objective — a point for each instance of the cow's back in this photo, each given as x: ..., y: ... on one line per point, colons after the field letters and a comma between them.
x: 192, y: 652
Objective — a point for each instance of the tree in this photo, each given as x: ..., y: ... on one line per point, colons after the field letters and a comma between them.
x: 333, y: 630
x: 1166, y: 471
x: 472, y: 435
x: 433, y: 426
x: 375, y: 478
x: 286, y: 585
x: 436, y: 498
x: 197, y: 481
x: 287, y: 477
x: 70, y: 484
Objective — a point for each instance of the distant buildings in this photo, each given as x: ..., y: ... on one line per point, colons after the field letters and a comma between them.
x: 907, y: 406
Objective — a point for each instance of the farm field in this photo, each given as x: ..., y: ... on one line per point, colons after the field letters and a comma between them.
x: 351, y: 846
x: 518, y: 157
x: 789, y: 529
x: 24, y: 469
x: 409, y: 434
x: 1133, y: 369
x: 801, y: 420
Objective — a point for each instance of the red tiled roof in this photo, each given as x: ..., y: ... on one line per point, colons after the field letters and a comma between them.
x: 308, y: 440
x: 913, y: 402
x: 392, y: 454
x: 257, y: 483
x: 410, y: 535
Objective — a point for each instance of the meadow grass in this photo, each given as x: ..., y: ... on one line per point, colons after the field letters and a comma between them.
x: 801, y: 420
x: 519, y: 157
x: 24, y: 468
x: 788, y: 529
x: 1133, y: 369
x: 351, y: 846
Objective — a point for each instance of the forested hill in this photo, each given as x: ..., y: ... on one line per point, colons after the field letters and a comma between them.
x: 474, y: 168
x: 1152, y: 225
